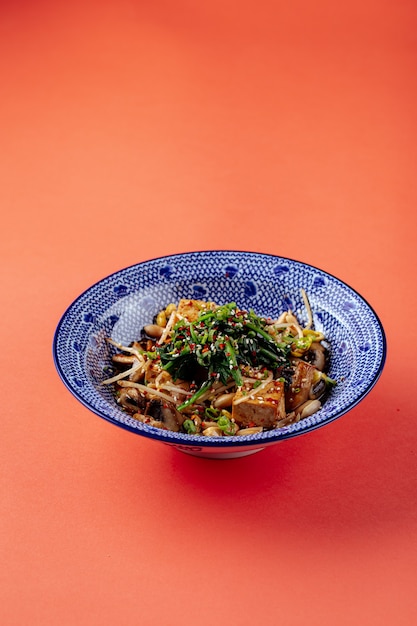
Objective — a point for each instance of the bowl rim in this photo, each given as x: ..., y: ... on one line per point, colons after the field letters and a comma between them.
x: 182, y: 439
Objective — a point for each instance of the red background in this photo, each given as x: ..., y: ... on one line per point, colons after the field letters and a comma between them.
x: 133, y: 129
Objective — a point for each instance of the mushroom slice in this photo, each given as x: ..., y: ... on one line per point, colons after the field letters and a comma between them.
x: 299, y: 389
x: 124, y: 359
x: 318, y: 389
x: 130, y: 399
x: 165, y: 413
x: 317, y: 355
x: 153, y: 330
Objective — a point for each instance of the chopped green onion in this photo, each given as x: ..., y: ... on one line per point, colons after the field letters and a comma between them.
x: 225, y: 424
x: 328, y: 380
x: 299, y: 346
x: 189, y: 427
x: 211, y: 413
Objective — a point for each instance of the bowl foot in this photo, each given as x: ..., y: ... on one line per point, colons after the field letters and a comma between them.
x: 219, y: 455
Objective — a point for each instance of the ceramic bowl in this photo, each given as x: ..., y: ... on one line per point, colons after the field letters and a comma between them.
x: 119, y: 305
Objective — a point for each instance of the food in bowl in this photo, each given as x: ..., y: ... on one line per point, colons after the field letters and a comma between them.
x: 219, y: 371
x: 119, y: 306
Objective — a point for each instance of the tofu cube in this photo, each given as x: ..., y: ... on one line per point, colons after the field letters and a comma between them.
x: 191, y: 309
x: 263, y: 409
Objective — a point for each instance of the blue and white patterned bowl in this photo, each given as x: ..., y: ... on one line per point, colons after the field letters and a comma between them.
x: 118, y: 306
